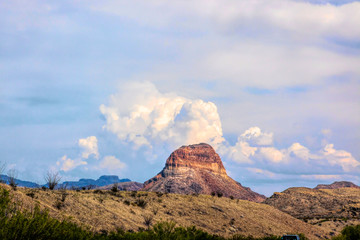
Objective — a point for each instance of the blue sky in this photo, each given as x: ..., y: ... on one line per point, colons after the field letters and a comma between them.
x: 113, y: 87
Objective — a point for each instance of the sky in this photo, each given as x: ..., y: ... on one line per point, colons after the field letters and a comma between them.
x: 90, y: 88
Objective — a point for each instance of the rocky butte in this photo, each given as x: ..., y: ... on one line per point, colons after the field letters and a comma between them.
x: 198, y: 169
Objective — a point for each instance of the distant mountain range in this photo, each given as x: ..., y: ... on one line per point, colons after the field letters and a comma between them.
x: 19, y: 182
x: 102, y: 181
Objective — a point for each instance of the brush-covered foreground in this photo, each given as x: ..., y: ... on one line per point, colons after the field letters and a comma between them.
x: 37, y: 224
x: 106, y: 211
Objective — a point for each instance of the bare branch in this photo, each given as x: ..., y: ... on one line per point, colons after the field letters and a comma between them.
x: 12, y: 175
x: 52, y: 179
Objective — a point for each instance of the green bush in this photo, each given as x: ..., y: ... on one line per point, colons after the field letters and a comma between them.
x: 349, y: 233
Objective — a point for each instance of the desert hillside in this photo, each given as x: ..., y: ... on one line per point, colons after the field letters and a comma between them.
x: 332, y: 209
x: 315, y: 203
x: 107, y: 210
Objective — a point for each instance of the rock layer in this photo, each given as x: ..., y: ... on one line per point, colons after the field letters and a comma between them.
x: 198, y: 169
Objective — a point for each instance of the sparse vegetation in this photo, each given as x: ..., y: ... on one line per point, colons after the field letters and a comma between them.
x: 349, y: 233
x: 148, y: 220
x: 81, y: 207
x: 141, y: 203
x: 31, y: 193
x: 59, y: 204
x: 52, y: 179
x: 12, y: 175
x: 98, y: 191
x: 114, y: 188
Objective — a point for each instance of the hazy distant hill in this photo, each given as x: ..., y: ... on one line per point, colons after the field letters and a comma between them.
x: 102, y: 181
x: 19, y: 182
x: 336, y: 185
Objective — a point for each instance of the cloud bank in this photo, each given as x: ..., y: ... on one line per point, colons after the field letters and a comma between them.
x: 142, y: 116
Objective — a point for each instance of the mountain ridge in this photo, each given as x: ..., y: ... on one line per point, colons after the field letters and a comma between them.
x: 83, y: 182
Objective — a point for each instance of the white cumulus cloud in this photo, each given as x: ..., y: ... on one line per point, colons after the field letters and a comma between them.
x: 140, y: 114
x: 89, y: 146
x: 66, y: 164
x: 257, y: 137
x: 295, y: 158
x: 112, y: 163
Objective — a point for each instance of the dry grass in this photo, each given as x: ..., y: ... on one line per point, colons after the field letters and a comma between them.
x: 106, y: 210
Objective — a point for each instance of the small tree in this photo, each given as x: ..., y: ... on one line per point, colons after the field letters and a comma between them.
x: 12, y: 175
x: 52, y: 179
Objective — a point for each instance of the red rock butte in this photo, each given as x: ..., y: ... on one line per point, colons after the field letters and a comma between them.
x: 198, y: 169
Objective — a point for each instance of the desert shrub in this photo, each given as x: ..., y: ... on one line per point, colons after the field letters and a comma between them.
x: 31, y: 194
x: 219, y: 194
x: 159, y: 194
x: 349, y: 233
x: 59, y: 204
x: 141, y: 203
x: 148, y: 220
x: 52, y: 179
x: 98, y: 191
x: 231, y: 197
x: 127, y: 202
x: 213, y: 194
x: 232, y: 221
x: 114, y: 188
x: 133, y: 194
x: 155, y: 210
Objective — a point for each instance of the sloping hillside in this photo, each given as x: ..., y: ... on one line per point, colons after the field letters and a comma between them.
x: 106, y: 210
x: 330, y: 209
x: 318, y: 203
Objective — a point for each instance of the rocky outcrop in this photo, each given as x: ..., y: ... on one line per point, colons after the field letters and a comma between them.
x: 198, y: 169
x: 337, y: 185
